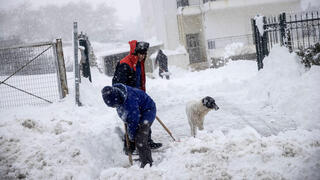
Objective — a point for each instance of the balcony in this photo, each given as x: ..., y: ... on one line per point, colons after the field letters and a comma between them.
x: 208, y: 5
x: 189, y: 7
x: 205, y: 1
x: 184, y: 6
x: 186, y: 3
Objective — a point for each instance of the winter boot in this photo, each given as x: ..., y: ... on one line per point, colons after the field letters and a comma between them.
x: 154, y: 145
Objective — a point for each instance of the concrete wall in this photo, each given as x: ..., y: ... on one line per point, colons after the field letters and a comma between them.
x: 160, y: 22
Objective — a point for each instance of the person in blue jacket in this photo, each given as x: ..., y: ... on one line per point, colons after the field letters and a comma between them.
x: 138, y: 111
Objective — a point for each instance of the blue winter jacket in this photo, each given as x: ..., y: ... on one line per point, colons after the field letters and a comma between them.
x: 137, y: 108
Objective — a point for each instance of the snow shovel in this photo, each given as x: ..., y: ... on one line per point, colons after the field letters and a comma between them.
x: 164, y: 126
x: 128, y: 145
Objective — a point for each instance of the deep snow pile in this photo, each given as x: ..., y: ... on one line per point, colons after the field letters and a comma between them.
x: 267, y: 127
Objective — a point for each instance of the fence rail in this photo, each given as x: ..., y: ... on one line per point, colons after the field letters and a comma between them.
x: 296, y: 31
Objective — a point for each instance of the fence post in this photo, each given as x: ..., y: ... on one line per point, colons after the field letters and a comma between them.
x: 61, y: 68
x: 76, y: 63
x: 258, y: 41
x: 285, y: 34
x: 288, y: 38
x: 264, y: 40
x: 282, y: 24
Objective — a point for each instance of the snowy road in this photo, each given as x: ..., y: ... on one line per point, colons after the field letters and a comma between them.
x: 262, y: 130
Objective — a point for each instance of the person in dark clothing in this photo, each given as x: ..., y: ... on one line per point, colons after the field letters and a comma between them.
x: 131, y: 72
x: 138, y: 112
x: 162, y: 59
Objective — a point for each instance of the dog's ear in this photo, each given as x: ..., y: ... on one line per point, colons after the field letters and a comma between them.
x: 210, y: 103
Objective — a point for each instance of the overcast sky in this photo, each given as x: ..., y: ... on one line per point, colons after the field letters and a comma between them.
x: 127, y: 9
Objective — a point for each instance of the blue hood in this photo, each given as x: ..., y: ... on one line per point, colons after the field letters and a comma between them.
x: 113, y: 96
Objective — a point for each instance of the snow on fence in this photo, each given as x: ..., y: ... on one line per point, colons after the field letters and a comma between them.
x: 32, y: 74
x: 296, y: 31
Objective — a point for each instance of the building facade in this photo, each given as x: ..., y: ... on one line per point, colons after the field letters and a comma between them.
x: 205, y: 27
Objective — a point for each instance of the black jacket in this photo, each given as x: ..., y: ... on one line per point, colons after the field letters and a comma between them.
x: 162, y: 59
x: 124, y: 74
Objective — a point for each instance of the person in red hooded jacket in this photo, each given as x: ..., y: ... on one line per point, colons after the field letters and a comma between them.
x: 131, y: 72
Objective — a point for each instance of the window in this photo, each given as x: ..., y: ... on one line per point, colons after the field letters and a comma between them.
x: 182, y: 3
x: 211, y: 44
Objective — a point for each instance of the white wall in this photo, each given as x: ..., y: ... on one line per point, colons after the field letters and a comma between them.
x: 172, y: 33
x: 150, y: 20
x: 236, y: 21
x: 160, y: 21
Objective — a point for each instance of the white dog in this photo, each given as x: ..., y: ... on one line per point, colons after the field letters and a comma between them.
x: 196, y: 110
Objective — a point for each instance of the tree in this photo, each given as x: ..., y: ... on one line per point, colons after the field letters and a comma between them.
x: 50, y: 22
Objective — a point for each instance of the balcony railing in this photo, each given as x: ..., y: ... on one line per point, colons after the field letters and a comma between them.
x: 218, y: 43
x: 184, y: 3
x: 205, y: 1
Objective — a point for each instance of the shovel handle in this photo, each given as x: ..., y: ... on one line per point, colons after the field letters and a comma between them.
x: 164, y: 126
x: 127, y: 142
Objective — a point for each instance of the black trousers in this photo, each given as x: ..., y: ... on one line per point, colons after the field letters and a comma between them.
x: 149, y: 135
x: 163, y: 70
x: 142, y: 145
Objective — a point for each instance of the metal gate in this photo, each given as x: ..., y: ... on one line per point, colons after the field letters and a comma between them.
x: 193, y: 48
x: 32, y: 74
x: 296, y: 31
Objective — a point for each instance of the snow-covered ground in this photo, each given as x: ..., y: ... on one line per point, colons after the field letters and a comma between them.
x: 267, y: 127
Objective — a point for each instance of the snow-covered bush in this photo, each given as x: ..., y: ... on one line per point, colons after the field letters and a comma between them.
x: 310, y: 56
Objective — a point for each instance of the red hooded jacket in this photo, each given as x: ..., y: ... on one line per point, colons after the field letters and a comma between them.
x: 126, y: 69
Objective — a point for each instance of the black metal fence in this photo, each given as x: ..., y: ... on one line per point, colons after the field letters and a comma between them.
x: 295, y: 31
x: 31, y: 74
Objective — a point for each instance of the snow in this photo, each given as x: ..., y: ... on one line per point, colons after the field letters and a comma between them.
x: 267, y: 127
x: 259, y: 24
x: 179, y: 50
x: 236, y: 48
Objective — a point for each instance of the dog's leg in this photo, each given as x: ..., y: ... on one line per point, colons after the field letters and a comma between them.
x: 200, y: 125
x: 193, y: 129
x: 191, y: 121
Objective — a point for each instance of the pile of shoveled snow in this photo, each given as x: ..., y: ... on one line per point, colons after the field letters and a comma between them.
x: 285, y: 86
x: 240, y: 154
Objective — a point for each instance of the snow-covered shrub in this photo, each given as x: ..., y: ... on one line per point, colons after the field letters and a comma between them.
x: 310, y: 56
